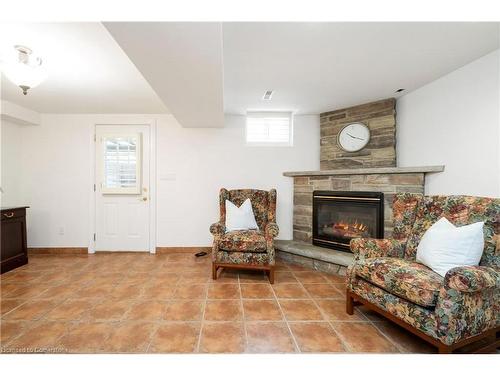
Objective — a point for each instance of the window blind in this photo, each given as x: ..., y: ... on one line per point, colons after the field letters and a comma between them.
x: 268, y: 127
x: 120, y: 161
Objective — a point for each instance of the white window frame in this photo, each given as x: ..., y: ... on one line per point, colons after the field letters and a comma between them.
x: 270, y: 114
x: 138, y: 166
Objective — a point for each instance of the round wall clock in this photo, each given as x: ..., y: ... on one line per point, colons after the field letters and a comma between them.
x: 353, y: 137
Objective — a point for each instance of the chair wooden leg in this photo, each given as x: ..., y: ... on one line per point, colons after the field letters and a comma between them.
x: 271, y: 275
x: 349, y: 306
x: 214, y: 271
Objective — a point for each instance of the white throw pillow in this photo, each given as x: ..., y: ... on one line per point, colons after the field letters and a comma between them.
x: 240, y: 218
x: 445, y: 246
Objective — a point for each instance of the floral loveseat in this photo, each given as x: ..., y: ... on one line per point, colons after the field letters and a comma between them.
x: 251, y: 249
x: 448, y: 312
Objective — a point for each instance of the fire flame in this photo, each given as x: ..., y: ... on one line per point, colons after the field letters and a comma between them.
x: 343, y: 225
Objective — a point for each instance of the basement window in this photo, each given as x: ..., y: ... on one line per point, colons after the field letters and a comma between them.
x: 269, y: 129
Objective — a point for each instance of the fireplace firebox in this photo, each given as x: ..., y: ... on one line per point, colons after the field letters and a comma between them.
x: 339, y: 216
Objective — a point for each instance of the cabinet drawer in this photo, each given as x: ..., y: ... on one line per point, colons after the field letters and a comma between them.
x: 13, y: 214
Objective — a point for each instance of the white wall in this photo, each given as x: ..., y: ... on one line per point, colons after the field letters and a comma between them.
x: 192, y: 164
x: 11, y: 144
x: 55, y: 172
x: 455, y: 121
x: 204, y: 160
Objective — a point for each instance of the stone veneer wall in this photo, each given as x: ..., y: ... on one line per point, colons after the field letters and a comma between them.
x: 380, y: 117
x: 389, y: 184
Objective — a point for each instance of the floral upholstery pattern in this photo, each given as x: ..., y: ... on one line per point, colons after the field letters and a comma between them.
x: 373, y: 247
x: 243, y: 240
x: 406, y: 279
x: 272, y: 230
x: 463, y: 304
x: 217, y: 229
x: 472, y: 278
x: 252, y: 246
x: 420, y: 317
x: 404, y: 211
x: 462, y: 315
x: 236, y: 257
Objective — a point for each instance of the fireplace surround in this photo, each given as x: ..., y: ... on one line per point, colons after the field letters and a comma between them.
x: 339, y: 216
x: 373, y: 169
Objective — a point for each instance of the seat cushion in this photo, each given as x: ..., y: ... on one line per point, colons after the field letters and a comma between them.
x: 404, y: 278
x: 244, y: 241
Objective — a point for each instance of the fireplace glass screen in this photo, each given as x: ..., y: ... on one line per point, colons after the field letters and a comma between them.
x: 339, y: 217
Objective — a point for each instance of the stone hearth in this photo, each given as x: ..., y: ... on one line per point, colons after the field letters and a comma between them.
x: 315, y: 257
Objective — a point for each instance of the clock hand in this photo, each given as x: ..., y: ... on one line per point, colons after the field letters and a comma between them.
x: 354, y: 137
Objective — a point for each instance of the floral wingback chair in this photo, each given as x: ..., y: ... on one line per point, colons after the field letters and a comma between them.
x: 449, y: 312
x: 250, y: 249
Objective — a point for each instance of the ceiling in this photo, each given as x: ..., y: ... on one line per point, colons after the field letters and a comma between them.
x: 318, y: 67
x: 87, y: 71
x: 199, y: 71
x: 182, y: 61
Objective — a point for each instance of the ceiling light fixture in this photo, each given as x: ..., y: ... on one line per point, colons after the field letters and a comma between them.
x: 268, y: 95
x: 23, y: 68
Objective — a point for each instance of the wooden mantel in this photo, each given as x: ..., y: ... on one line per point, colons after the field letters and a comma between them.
x: 359, y: 171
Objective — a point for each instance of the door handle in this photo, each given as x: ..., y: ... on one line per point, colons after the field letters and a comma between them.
x: 144, y: 199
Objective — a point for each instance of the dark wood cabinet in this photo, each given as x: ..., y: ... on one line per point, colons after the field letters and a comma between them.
x: 14, y: 250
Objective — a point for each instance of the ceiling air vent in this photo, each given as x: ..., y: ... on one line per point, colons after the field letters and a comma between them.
x: 268, y: 95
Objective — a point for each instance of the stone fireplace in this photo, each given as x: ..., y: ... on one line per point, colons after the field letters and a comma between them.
x: 372, y: 172
x: 340, y: 216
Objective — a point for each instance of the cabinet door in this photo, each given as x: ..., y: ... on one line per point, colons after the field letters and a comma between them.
x: 12, y: 238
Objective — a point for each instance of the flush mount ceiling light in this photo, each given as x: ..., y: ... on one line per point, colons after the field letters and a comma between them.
x: 23, y: 68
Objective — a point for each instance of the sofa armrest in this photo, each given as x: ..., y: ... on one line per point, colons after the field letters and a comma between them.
x: 375, y: 247
x: 470, y: 279
x: 217, y: 229
x: 468, y: 303
x: 271, y: 230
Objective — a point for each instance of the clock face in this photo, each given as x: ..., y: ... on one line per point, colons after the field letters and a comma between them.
x: 353, y: 137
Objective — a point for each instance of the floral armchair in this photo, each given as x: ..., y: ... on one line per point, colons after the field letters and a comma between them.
x: 450, y: 312
x: 250, y: 249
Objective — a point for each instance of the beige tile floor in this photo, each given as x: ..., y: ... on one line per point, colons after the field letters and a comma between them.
x: 137, y: 303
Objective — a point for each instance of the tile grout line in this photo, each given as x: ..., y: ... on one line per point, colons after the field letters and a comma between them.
x: 396, y: 345
x: 130, y: 306
x: 297, y: 348
x: 158, y: 325
x: 374, y: 325
x: 111, y: 322
x: 243, y: 314
x: 202, y: 322
x: 342, y: 341
x: 28, y: 326
x: 345, y: 344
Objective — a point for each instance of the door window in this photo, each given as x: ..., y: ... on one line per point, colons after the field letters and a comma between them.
x: 121, y: 164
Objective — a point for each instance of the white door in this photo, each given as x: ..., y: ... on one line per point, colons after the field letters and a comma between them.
x: 122, y: 187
